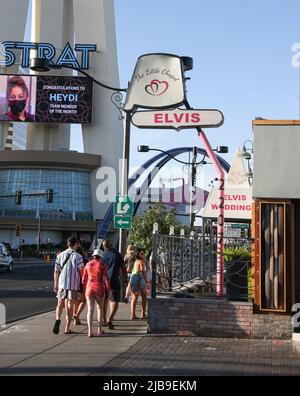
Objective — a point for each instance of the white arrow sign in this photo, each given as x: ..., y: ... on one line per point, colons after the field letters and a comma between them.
x: 178, y: 119
x: 120, y: 222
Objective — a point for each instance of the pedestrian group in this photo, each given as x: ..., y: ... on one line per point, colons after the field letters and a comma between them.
x: 79, y: 281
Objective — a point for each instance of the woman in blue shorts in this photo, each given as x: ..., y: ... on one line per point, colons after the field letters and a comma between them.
x: 138, y: 283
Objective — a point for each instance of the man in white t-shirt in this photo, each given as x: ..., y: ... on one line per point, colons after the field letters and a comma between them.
x: 67, y: 278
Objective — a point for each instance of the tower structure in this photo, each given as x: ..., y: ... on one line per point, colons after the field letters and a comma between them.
x: 59, y: 22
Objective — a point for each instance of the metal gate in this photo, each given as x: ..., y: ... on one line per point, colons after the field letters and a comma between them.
x: 179, y: 260
x: 178, y: 263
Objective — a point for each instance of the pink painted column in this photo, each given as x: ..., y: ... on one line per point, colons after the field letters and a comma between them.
x: 220, y: 230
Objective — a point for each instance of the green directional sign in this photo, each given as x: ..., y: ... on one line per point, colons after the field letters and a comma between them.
x: 123, y: 222
x: 123, y: 205
x: 240, y: 226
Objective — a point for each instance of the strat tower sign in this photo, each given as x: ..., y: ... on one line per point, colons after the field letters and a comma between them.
x: 68, y: 56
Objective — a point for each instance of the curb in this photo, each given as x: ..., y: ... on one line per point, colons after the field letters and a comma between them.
x: 296, y: 338
x: 16, y: 322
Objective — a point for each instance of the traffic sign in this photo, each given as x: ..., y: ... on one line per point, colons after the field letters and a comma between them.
x: 232, y: 233
x: 240, y: 226
x: 123, y: 222
x: 123, y: 205
x: 178, y: 119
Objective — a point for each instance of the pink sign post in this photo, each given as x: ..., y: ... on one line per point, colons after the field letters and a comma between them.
x: 158, y: 85
x: 220, y: 229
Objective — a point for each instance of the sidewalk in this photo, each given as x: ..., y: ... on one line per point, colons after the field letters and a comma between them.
x: 29, y: 347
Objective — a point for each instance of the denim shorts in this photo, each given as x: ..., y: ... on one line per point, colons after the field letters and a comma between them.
x: 70, y: 295
x: 137, y: 283
x: 114, y: 295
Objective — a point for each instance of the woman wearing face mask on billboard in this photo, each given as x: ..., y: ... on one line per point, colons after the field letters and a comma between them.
x: 16, y: 96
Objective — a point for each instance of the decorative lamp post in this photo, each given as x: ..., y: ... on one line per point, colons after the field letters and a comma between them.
x: 246, y: 154
x: 193, y: 171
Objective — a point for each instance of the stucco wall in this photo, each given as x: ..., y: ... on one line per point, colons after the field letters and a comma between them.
x: 275, y: 165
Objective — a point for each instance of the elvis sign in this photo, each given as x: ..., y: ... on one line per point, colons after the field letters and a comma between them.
x: 157, y: 82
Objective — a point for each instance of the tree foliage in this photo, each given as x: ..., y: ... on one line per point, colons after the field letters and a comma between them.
x: 142, y: 227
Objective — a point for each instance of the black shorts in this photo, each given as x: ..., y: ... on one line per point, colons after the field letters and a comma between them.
x: 114, y: 296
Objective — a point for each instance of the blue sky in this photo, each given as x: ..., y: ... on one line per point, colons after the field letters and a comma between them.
x: 242, y: 55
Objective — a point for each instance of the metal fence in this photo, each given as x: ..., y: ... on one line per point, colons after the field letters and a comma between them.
x: 179, y: 263
x: 178, y: 260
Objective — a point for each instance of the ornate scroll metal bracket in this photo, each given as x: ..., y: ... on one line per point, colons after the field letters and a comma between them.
x: 117, y: 100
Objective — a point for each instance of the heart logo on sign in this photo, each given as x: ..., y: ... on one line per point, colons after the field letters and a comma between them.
x: 157, y: 88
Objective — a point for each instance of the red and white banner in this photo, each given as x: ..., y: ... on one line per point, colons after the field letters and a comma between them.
x: 237, y: 204
x: 178, y: 119
x: 238, y: 194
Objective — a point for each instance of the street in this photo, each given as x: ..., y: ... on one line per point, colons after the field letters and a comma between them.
x: 28, y: 290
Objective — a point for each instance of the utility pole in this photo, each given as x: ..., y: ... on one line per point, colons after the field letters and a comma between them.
x: 38, y: 234
x: 125, y: 171
x: 193, y: 176
x: 96, y: 239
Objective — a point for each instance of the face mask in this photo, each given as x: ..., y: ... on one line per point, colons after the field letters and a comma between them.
x: 17, y: 106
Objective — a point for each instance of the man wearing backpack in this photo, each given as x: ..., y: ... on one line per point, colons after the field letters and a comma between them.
x: 67, y: 279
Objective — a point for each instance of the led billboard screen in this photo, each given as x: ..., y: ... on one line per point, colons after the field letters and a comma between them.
x: 58, y: 99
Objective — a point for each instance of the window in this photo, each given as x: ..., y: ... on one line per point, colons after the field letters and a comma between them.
x: 71, y: 189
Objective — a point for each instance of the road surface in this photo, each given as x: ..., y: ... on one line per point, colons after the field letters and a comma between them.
x: 28, y: 290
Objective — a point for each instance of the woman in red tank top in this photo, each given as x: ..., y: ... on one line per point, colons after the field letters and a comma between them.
x: 95, y: 280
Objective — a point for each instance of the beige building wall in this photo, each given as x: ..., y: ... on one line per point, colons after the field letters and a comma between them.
x: 105, y: 135
x: 52, y: 22
x: 276, y: 159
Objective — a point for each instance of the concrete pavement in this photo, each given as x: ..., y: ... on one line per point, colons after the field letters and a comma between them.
x: 197, y: 356
x: 29, y: 347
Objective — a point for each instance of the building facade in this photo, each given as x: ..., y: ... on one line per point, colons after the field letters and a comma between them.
x: 276, y: 215
x: 31, y: 172
x: 40, y: 158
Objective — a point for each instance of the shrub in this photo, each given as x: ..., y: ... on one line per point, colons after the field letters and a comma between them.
x: 237, y: 253
x: 141, y: 233
x: 240, y: 255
